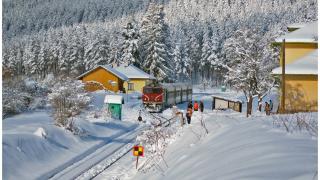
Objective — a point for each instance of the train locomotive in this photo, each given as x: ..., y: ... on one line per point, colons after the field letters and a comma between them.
x: 157, y: 97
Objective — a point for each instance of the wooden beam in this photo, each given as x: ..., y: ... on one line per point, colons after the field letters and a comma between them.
x: 283, y: 84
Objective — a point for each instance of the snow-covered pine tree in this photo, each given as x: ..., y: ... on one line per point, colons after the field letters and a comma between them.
x: 206, y: 52
x: 32, y: 56
x: 247, y: 72
x: 76, y: 61
x: 181, y: 57
x: 181, y: 61
x: 97, y: 53
x: 215, y: 57
x: 53, y: 52
x: 194, y: 43
x: 9, y: 63
x: 130, y: 53
x: 177, y: 62
x: 114, y: 58
x: 64, y: 55
x: 156, y: 52
x: 43, y: 59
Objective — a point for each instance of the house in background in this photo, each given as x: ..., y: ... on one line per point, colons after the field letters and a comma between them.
x: 301, y: 67
x: 137, y: 78
x: 119, y: 78
x: 103, y: 77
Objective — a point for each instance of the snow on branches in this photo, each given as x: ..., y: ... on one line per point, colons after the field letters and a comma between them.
x: 156, y: 140
x: 247, y: 70
x: 156, y: 44
x: 130, y: 53
x: 67, y: 99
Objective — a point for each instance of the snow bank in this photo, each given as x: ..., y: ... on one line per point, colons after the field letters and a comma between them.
x: 32, y: 143
x: 238, y: 148
x: 40, y: 132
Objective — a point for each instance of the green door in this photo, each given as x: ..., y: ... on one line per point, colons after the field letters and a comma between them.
x: 115, y: 110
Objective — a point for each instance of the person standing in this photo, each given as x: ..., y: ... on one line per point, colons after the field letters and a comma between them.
x: 271, y: 105
x: 190, y: 105
x: 267, y: 108
x: 196, y: 106
x: 189, y: 114
x: 201, y: 106
x: 260, y: 104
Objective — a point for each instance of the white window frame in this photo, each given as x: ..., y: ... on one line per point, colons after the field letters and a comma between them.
x: 130, y: 86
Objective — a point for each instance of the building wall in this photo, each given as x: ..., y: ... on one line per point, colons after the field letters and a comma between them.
x: 301, y: 93
x: 104, y: 77
x: 295, y: 51
x: 137, y: 83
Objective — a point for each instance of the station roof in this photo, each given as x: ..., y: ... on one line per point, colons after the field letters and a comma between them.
x: 306, y: 65
x: 307, y: 33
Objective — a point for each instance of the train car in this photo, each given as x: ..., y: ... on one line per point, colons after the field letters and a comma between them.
x: 156, y: 98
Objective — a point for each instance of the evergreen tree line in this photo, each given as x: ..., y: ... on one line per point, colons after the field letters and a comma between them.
x: 182, y: 40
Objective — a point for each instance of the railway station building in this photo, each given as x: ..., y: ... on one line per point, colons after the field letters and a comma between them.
x: 299, y: 50
x: 125, y: 78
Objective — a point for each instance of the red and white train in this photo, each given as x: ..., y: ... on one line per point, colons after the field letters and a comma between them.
x: 156, y: 98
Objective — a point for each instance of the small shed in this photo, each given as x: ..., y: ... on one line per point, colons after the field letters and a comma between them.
x: 226, y: 103
x: 114, y: 105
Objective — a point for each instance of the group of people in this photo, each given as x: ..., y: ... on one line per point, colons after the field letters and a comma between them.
x: 268, y: 107
x: 194, y: 107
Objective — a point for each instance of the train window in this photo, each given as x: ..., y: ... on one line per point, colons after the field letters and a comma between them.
x: 149, y: 90
x: 157, y: 90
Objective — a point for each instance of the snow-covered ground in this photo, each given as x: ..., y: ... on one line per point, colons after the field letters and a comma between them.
x: 33, y: 147
x: 236, y: 147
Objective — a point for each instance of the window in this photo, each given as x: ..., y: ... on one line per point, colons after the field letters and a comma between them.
x: 149, y: 90
x: 130, y: 86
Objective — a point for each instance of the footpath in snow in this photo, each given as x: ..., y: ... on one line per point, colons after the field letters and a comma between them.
x: 235, y: 148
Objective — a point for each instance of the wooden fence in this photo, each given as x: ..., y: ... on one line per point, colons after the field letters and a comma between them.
x: 224, y: 103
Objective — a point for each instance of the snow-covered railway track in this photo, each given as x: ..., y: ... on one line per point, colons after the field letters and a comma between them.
x: 107, y: 154
x: 105, y: 164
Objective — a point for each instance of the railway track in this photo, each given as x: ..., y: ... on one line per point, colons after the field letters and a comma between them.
x: 104, y: 157
x: 112, y: 150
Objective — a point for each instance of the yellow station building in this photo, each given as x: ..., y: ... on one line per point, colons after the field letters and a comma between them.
x: 121, y: 78
x: 301, y: 67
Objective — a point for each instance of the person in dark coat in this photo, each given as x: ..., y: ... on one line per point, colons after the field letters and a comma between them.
x: 189, y: 114
x: 260, y: 104
x: 190, y: 105
x: 267, y: 108
x: 201, y: 106
x: 271, y: 105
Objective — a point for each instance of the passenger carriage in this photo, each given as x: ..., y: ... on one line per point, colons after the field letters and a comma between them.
x: 157, y: 97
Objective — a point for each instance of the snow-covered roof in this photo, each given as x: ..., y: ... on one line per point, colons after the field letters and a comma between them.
x: 172, y: 86
x: 109, y: 69
x: 296, y: 25
x: 116, y: 99
x: 306, y: 65
x: 227, y: 98
x: 306, y: 34
x: 133, y: 72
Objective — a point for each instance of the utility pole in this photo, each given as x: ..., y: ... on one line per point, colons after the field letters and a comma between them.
x: 283, y: 76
